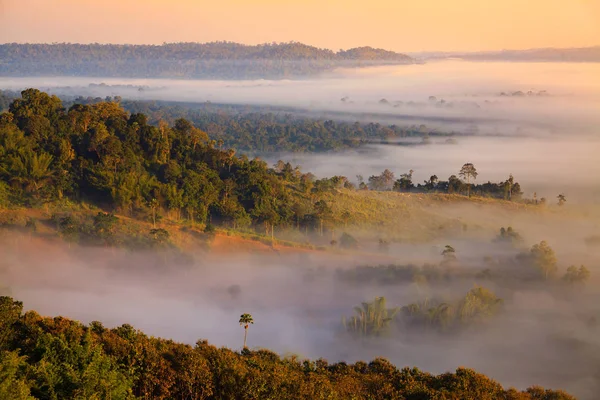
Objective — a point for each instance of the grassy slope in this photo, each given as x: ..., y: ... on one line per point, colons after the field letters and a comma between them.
x: 402, y: 217
x: 415, y: 217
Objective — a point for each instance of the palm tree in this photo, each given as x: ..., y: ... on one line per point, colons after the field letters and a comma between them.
x: 372, y: 318
x: 245, y: 321
x: 31, y: 170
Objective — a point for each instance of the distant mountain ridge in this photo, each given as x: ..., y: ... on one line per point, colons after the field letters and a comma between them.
x: 579, y: 54
x: 224, y: 60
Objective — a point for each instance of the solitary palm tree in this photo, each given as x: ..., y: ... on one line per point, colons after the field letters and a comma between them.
x: 245, y: 321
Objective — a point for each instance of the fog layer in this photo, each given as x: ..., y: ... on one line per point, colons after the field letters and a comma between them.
x: 572, y: 92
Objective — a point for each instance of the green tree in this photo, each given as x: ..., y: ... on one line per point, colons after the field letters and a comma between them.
x: 468, y: 172
x: 104, y: 227
x: 404, y: 184
x: 371, y: 319
x: 323, y: 213
x: 10, y: 312
x: 544, y: 259
x: 478, y: 304
x: 576, y: 275
x: 31, y: 170
x: 13, y: 385
x: 69, y: 228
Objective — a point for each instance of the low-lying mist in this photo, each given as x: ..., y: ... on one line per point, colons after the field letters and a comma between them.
x: 545, y: 333
x: 563, y: 95
x: 538, y: 121
x: 546, y: 166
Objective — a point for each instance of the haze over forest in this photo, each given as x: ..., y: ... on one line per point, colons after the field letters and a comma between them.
x: 413, y: 217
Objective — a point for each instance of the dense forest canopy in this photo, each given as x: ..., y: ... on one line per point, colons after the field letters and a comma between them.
x: 271, y: 129
x: 102, y: 154
x: 217, y: 60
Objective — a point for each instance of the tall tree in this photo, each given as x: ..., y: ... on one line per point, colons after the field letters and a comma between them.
x: 245, y: 321
x: 467, y: 172
x: 544, y: 259
x: 323, y: 212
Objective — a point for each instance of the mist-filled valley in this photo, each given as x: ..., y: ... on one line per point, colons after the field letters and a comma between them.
x: 442, y: 215
x: 527, y: 119
x: 542, y: 332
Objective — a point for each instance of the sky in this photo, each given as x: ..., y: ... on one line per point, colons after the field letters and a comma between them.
x: 399, y: 25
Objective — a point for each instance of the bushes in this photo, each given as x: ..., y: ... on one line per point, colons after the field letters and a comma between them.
x: 347, y: 241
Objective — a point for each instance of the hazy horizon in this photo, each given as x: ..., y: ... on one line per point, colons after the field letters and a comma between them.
x: 404, y: 27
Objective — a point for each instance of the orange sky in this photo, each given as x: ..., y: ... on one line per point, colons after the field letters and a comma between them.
x: 393, y: 24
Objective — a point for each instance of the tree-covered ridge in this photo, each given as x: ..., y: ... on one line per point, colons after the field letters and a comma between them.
x: 56, y: 358
x: 223, y: 60
x: 262, y: 130
x: 100, y: 154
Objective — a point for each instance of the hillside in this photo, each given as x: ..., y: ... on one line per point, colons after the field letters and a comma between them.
x: 218, y: 60
x: 101, y: 155
x: 367, y: 215
x: 59, y: 358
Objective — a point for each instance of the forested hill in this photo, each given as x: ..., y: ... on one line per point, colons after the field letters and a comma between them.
x: 104, y: 155
x: 217, y: 60
x: 55, y: 358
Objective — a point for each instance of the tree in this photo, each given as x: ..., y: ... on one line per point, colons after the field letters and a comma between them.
x: 449, y: 255
x: 431, y: 184
x: 245, y: 321
x: 509, y: 235
x: 323, y: 213
x: 31, y: 170
x: 467, y: 172
x: 346, y: 216
x: 404, y: 184
x: 508, y: 187
x: 387, y: 179
x: 371, y: 319
x: 12, y: 382
x: 576, y: 276
x: 544, y: 259
x: 348, y: 241
x: 561, y: 199
x: 153, y: 204
x: 68, y: 228
x: 104, y: 226
x: 479, y: 303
